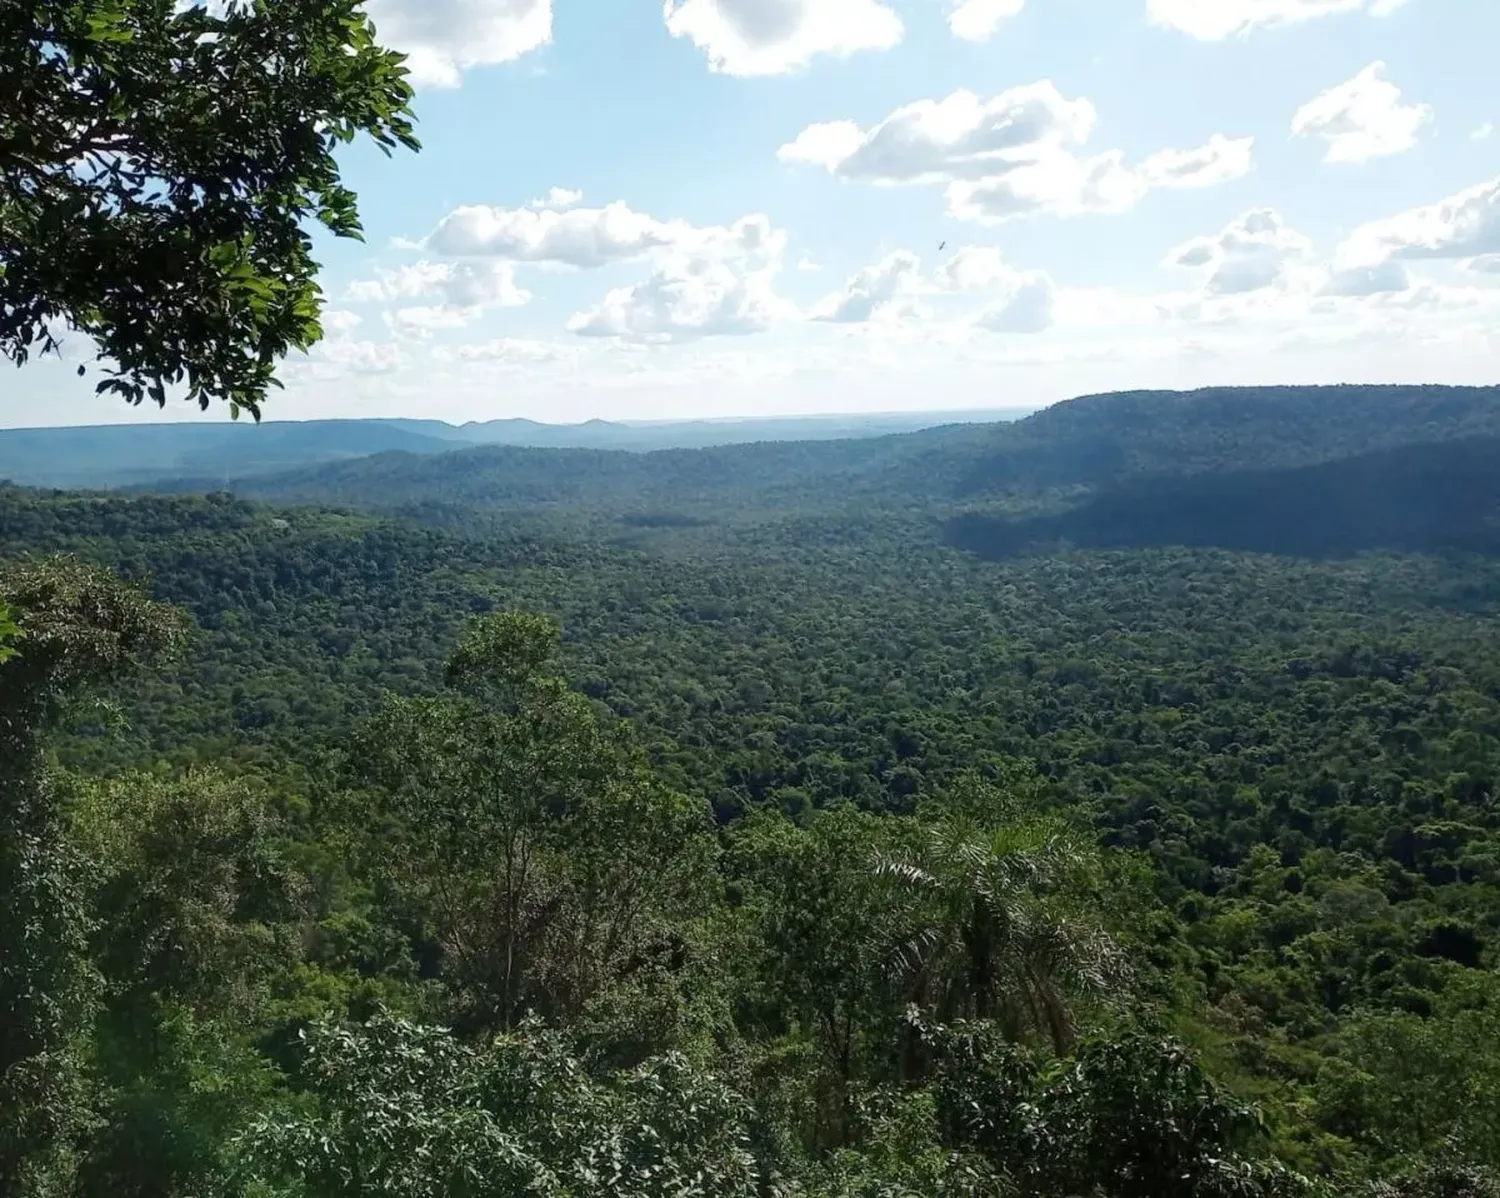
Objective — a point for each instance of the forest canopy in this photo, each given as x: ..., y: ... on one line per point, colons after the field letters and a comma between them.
x: 783, y: 849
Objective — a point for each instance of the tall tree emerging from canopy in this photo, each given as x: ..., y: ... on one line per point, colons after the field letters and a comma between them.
x: 159, y: 163
x: 82, y: 626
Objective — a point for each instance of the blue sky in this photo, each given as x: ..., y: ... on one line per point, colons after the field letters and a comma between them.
x: 735, y: 207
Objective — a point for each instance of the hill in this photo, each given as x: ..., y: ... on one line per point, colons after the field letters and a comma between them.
x: 1053, y: 459
x: 123, y: 455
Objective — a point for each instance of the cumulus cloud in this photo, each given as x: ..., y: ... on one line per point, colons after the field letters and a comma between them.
x: 458, y: 284
x: 1361, y: 119
x: 337, y: 322
x: 444, y: 38
x: 896, y: 288
x: 1214, y: 20
x: 577, y: 237
x: 1029, y: 308
x: 1380, y: 278
x: 962, y: 136
x: 345, y: 355
x: 422, y: 320
x: 1253, y: 252
x: 975, y: 20
x: 1219, y: 160
x: 773, y: 37
x: 1482, y: 131
x: 1465, y: 225
x: 886, y: 290
x: 1486, y: 264
x: 973, y: 268
x: 557, y: 197
x: 716, y: 281
x: 1008, y: 155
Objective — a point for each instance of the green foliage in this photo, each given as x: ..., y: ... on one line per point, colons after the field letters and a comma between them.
x: 394, y: 1108
x: 540, y: 862
x: 1132, y: 1116
x: 84, y: 627
x: 158, y: 166
x: 10, y: 634
x: 998, y: 840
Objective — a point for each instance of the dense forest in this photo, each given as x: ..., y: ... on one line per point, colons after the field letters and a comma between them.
x: 1100, y: 804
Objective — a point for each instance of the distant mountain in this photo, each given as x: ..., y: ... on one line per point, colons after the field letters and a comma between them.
x: 212, y: 454
x: 1057, y: 457
x: 123, y: 454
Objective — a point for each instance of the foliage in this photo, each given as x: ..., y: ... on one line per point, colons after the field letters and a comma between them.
x: 10, y: 633
x: 402, y: 1109
x: 158, y: 164
x: 587, y: 845
x: 83, y: 626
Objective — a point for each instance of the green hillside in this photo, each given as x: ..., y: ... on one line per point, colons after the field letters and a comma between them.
x: 1059, y: 452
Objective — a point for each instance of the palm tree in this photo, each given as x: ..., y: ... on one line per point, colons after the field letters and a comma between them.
x: 1001, y: 926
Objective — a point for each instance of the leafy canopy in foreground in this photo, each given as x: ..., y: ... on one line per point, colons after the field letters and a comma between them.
x: 157, y: 168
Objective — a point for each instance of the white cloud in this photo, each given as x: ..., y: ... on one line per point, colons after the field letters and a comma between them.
x: 1483, y: 130
x: 1029, y: 308
x: 1361, y: 119
x: 1486, y: 264
x: 1380, y: 278
x: 893, y: 292
x: 422, y: 320
x: 444, y: 38
x: 714, y: 282
x: 1219, y: 160
x: 508, y: 351
x: 1214, y: 20
x: 457, y: 284
x: 887, y: 290
x: 335, y: 356
x: 1465, y: 225
x: 1058, y: 183
x: 973, y: 268
x: 579, y: 237
x: 1253, y: 252
x: 962, y: 136
x: 1008, y: 155
x: 336, y: 321
x: 557, y: 197
x: 975, y: 20
x: 772, y: 37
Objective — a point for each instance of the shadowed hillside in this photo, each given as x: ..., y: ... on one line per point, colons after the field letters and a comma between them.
x: 1050, y: 457
x: 1424, y: 497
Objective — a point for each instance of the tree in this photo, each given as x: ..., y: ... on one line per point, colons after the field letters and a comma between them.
x: 531, y: 852
x: 1127, y: 1117
x: 195, y: 910
x: 399, y: 1109
x: 83, y: 626
x: 1003, y: 925
x: 158, y: 166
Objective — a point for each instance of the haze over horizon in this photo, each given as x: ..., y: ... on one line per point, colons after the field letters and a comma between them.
x: 979, y: 205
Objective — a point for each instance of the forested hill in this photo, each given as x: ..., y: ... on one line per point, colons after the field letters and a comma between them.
x: 1070, y: 448
x: 124, y: 455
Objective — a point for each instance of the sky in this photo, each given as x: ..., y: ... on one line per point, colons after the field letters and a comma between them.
x: 709, y: 208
